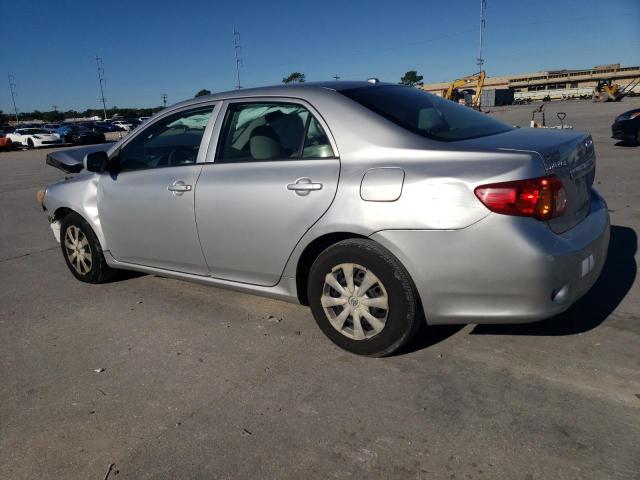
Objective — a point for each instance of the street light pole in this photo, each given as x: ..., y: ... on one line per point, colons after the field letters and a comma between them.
x: 164, y: 100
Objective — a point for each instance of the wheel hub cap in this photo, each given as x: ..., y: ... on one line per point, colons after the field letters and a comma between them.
x: 355, y: 301
x: 78, y: 250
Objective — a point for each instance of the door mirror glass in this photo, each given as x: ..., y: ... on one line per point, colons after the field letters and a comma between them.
x: 96, y: 162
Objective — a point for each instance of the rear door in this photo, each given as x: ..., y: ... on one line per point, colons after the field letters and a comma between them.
x: 274, y: 174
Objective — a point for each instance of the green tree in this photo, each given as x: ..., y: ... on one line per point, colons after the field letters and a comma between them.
x: 203, y: 92
x: 295, y: 77
x: 411, y: 78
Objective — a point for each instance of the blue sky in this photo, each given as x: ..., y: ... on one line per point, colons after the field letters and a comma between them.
x: 178, y: 47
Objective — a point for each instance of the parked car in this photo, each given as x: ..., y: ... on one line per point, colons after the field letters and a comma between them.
x: 122, y: 125
x: 80, y: 135
x: 134, y: 122
x: 34, y: 138
x: 626, y: 127
x: 104, y: 127
x: 381, y: 206
x: 5, y: 142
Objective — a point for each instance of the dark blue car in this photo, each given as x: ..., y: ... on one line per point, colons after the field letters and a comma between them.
x: 626, y: 127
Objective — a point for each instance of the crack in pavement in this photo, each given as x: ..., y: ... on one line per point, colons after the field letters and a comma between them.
x: 27, y: 254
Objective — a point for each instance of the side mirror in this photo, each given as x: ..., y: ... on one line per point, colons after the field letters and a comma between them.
x: 96, y: 162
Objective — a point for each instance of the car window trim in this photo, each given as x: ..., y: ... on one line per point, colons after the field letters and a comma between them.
x: 224, y: 108
x: 206, y: 136
x: 115, y: 150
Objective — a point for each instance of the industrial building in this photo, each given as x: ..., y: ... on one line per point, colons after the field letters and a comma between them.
x: 556, y: 84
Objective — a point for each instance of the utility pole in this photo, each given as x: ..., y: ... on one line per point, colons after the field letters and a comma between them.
x: 12, y: 87
x: 55, y: 108
x: 237, y: 51
x: 102, y: 82
x: 483, y: 7
x: 164, y: 100
x: 336, y: 76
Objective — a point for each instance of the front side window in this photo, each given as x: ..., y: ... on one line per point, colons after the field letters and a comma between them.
x: 170, y: 142
x: 426, y: 114
x: 270, y: 131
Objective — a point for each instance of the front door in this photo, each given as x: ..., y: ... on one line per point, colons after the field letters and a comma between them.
x: 275, y: 174
x: 147, y: 209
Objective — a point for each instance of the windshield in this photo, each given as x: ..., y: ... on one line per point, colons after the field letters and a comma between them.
x: 426, y: 114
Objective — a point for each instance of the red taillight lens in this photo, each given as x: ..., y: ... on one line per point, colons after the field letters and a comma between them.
x: 542, y: 198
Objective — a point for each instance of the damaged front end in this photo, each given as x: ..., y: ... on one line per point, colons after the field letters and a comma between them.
x: 72, y: 159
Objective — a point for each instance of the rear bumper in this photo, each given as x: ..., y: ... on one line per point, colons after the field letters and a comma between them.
x: 502, y: 269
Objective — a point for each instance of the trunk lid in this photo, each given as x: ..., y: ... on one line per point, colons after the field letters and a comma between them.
x: 567, y: 154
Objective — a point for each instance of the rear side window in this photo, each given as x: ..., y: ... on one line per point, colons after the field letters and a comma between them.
x: 425, y: 114
x: 267, y: 131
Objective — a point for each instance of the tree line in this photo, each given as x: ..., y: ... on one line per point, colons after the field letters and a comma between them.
x: 59, y: 115
x: 411, y: 78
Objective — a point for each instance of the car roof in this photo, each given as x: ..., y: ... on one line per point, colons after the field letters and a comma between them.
x: 290, y: 90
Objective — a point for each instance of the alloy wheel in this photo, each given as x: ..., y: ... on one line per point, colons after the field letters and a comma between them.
x: 355, y: 301
x: 78, y: 250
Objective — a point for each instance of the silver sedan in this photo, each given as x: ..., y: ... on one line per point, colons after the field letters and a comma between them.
x: 380, y: 206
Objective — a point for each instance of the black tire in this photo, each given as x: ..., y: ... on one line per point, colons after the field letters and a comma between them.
x: 97, y: 271
x: 30, y: 144
x: 638, y: 137
x: 403, y: 315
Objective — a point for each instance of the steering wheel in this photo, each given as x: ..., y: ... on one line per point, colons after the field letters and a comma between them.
x: 181, y: 155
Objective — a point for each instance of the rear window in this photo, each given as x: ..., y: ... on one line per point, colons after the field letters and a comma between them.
x: 426, y: 114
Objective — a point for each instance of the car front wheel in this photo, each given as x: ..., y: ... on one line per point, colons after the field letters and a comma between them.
x: 363, y: 299
x: 82, y: 251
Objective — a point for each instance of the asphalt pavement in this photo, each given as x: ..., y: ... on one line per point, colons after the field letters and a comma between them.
x: 167, y: 379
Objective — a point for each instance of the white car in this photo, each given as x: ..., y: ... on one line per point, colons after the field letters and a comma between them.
x: 123, y: 125
x: 34, y: 138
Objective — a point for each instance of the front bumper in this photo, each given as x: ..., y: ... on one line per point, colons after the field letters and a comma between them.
x: 622, y: 131
x: 502, y: 269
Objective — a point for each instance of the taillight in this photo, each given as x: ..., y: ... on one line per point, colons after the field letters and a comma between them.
x: 542, y: 198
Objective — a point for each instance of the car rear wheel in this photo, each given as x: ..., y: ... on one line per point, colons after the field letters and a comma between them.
x: 82, y: 251
x: 363, y: 299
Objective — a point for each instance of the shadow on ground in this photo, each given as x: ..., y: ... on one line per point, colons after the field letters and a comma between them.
x: 627, y: 144
x: 616, y: 279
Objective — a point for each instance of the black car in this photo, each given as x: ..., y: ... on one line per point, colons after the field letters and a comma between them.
x: 81, y: 135
x: 626, y: 127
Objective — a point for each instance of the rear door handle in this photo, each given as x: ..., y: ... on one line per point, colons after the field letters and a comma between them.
x: 304, y: 186
x: 179, y: 187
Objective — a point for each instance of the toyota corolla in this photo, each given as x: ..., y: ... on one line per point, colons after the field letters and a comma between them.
x: 380, y: 206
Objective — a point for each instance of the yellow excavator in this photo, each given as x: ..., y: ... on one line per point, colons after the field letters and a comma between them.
x: 457, y: 88
x: 607, y: 91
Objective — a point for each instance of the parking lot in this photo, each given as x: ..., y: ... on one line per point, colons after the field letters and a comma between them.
x: 167, y: 379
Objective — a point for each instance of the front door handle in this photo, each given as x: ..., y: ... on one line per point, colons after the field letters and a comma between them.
x: 179, y: 187
x: 304, y: 186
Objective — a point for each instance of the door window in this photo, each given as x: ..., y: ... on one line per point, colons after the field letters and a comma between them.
x: 170, y: 142
x: 271, y: 131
